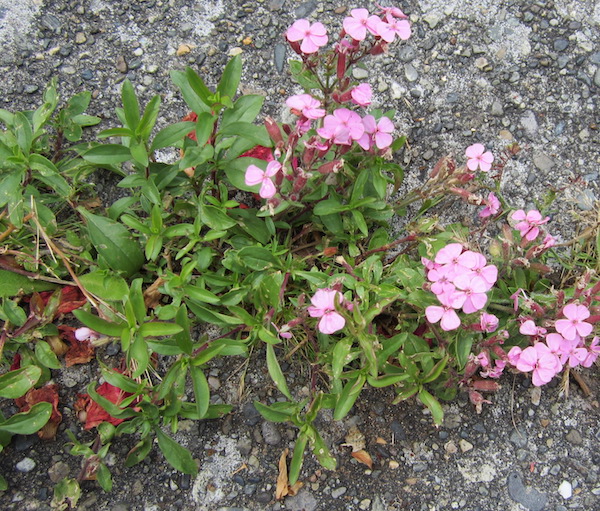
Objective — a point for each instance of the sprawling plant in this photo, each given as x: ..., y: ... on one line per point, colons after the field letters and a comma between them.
x: 275, y: 237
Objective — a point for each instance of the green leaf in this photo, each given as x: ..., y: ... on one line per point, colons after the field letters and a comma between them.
x: 270, y: 414
x: 256, y: 134
x: 13, y: 283
x: 258, y: 258
x: 27, y: 423
x: 204, y: 128
x: 107, y: 154
x: 149, y: 118
x: 136, y: 298
x: 138, y: 351
x: 179, y: 457
x: 138, y: 452
x: 245, y: 109
x: 114, y: 243
x: 387, y: 380
x: 321, y: 452
x: 297, y: 458
x: 190, y: 96
x: 231, y: 77
x: 348, y: 397
x: 104, y: 478
x: 276, y: 373
x: 119, y: 380
x: 304, y: 77
x: 340, y: 354
x: 3, y: 484
x: 198, y: 86
x: 172, y: 134
x: 201, y: 295
x: 66, y: 495
x: 16, y: 383
x: 105, y: 285
x: 329, y: 207
x: 23, y: 132
x: 139, y: 153
x: 10, y: 186
x: 183, y: 338
x: 215, y: 218
x: 98, y: 324
x: 45, y: 355
x: 159, y: 328
x: 201, y: 390
x: 434, y: 406
x: 131, y: 107
x: 211, y: 316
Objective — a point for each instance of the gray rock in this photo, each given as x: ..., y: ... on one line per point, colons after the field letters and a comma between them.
x: 597, y: 77
x: 497, y: 109
x: 50, y: 21
x: 58, y: 471
x: 303, y: 501
x: 410, y: 72
x: 574, y: 437
x: 432, y: 19
x: 542, y: 161
x: 529, y: 498
x: 338, y: 492
x: 529, y: 123
x: 519, y: 437
x: 303, y: 10
x: 595, y: 58
x: 270, y: 433
x: 279, y: 53
x: 427, y: 155
x: 407, y: 53
x: 560, y: 44
x: 359, y: 73
x: 585, y: 201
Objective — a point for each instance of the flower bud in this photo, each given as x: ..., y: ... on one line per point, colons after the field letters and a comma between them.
x: 485, y: 385
x: 331, y: 166
x: 273, y: 130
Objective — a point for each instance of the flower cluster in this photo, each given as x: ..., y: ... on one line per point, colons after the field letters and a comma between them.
x: 553, y: 351
x: 460, y: 279
x: 337, y: 129
x: 307, y: 38
x: 529, y: 223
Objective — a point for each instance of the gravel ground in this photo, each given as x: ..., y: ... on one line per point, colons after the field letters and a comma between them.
x: 474, y: 71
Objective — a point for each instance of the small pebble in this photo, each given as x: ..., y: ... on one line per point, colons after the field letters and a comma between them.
x: 25, y: 465
x: 566, y: 490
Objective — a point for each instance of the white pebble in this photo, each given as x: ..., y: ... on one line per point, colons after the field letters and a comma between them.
x: 565, y: 489
x: 25, y: 465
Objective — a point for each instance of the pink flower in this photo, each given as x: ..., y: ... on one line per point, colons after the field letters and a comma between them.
x: 255, y: 176
x: 528, y: 223
x: 441, y: 281
x: 549, y: 241
x: 472, y: 291
x: 488, y: 322
x: 392, y: 11
x: 478, y: 158
x: 514, y: 354
x: 541, y: 361
x: 377, y: 131
x: 483, y: 359
x: 362, y: 94
x: 312, y: 36
x: 86, y: 334
x: 572, y: 353
x: 392, y: 27
x: 529, y: 328
x: 359, y: 21
x: 495, y: 372
x: 492, y: 206
x: 574, y: 325
x: 323, y: 306
x: 446, y: 314
x: 343, y: 127
x: 306, y: 105
x: 593, y: 353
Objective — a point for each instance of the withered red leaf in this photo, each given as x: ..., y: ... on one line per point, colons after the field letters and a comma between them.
x: 92, y: 413
x: 49, y: 394
x: 79, y: 352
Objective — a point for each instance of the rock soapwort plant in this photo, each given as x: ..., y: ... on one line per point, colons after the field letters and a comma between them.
x: 266, y: 238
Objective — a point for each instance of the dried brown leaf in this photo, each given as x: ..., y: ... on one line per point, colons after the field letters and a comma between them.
x: 282, y: 479
x: 363, y: 457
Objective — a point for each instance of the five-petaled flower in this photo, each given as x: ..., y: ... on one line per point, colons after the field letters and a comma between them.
x: 479, y: 157
x: 312, y: 36
x: 306, y: 105
x: 257, y: 176
x: 359, y: 21
x: 492, y: 206
x: 323, y: 306
x: 528, y: 223
x: 574, y: 326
